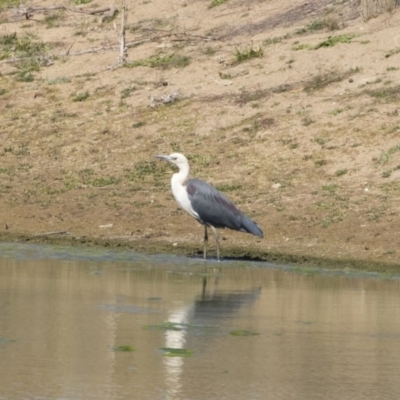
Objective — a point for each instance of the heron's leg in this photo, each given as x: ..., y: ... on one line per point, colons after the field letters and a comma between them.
x: 216, y: 239
x: 205, y: 242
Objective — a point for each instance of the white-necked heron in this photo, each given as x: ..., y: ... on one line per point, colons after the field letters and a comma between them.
x: 206, y: 204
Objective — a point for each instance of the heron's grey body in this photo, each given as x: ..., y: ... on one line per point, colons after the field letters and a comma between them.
x: 206, y: 204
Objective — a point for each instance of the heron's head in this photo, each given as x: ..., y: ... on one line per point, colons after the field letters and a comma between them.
x: 175, y: 158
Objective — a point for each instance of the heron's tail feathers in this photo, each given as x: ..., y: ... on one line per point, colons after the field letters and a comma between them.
x: 251, y: 227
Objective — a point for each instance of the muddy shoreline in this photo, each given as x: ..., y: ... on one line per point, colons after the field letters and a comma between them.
x: 192, y: 250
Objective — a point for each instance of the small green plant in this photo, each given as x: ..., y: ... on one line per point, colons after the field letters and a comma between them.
x: 321, y: 140
x: 79, y: 2
x: 52, y: 20
x: 161, y: 61
x: 387, y: 94
x: 337, y: 111
x: 307, y: 120
x: 228, y: 187
x: 330, y: 188
x: 21, y: 47
x: 333, y: 40
x: 127, y: 92
x: 341, y: 172
x: 138, y: 124
x: 81, y: 96
x: 248, y: 53
x: 8, y: 3
x: 216, y: 3
x: 324, y: 79
x: 387, y: 155
x: 392, y: 52
x: 25, y: 69
x: 302, y: 46
x: 56, y: 81
x: 209, y: 51
x: 26, y: 48
x: 320, y: 162
x: 275, y: 40
x: 330, y: 24
x: 146, y: 169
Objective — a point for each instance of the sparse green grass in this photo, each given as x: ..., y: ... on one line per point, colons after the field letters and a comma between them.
x: 321, y: 140
x: 53, y: 20
x: 386, y: 156
x: 21, y: 46
x: 307, y: 120
x: 247, y: 96
x: 275, y: 40
x: 320, y: 162
x: 337, y: 111
x: 216, y: 3
x: 208, y: 51
x: 330, y: 188
x: 388, y: 94
x: 56, y: 81
x: 26, y: 48
x: 341, y: 172
x: 82, y: 96
x: 25, y: 69
x: 138, y: 124
x: 226, y: 187
x: 392, y: 52
x: 161, y: 61
x: 301, y: 46
x: 8, y: 3
x: 127, y: 92
x: 330, y: 24
x: 146, y: 169
x: 248, y: 52
x: 333, y: 40
x: 200, y: 159
x: 324, y: 79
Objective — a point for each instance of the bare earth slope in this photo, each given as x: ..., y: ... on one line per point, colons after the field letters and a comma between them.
x: 290, y: 108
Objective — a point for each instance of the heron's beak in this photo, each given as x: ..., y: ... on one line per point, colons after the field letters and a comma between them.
x: 162, y: 157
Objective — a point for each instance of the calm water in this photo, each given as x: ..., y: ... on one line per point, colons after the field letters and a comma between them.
x: 65, y: 313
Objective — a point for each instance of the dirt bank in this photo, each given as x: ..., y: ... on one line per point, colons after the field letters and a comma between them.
x: 289, y: 108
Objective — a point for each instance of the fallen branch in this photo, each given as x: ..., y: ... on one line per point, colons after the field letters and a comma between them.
x: 29, y: 11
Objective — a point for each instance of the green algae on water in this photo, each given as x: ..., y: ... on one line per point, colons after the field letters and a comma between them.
x: 123, y: 348
x: 175, y: 352
x: 240, y: 332
x: 165, y: 326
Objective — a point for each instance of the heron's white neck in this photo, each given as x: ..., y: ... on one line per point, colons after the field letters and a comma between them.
x: 180, y: 177
x: 179, y: 189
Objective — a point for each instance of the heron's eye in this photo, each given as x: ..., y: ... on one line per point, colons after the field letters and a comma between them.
x: 174, y: 158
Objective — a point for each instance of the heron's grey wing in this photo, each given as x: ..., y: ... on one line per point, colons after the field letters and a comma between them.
x: 216, y: 210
